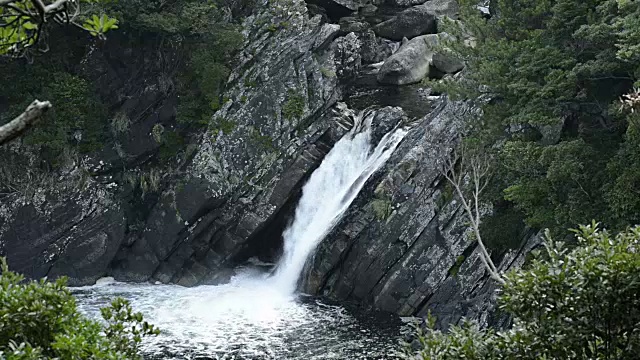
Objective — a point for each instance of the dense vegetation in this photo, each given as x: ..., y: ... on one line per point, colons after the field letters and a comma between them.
x: 549, y: 76
x: 195, y: 39
x: 557, y: 82
x: 40, y: 320
x: 582, y: 303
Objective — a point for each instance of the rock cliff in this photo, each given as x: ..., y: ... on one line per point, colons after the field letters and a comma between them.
x: 403, y: 246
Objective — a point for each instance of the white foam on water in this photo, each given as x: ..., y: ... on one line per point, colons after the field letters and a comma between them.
x: 258, y: 316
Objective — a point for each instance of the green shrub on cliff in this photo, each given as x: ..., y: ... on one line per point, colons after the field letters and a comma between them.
x: 580, y: 303
x: 555, y: 72
x: 40, y: 320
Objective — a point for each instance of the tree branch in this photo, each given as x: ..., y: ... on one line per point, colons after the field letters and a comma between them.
x: 54, y: 6
x: 24, y: 121
x: 480, y: 171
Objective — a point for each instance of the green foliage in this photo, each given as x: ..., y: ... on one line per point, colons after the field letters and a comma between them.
x: 382, y: 208
x: 224, y: 125
x: 293, y: 107
x: 172, y: 143
x: 545, y: 63
x: 120, y: 123
x: 207, y: 70
x: 22, y: 22
x: 263, y: 141
x: 40, y: 320
x: 328, y: 73
x: 99, y: 25
x: 453, y: 271
x: 77, y: 120
x: 621, y: 194
x: 503, y: 230
x: 582, y: 303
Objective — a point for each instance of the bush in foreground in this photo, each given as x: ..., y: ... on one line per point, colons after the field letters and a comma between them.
x: 579, y: 303
x: 40, y: 320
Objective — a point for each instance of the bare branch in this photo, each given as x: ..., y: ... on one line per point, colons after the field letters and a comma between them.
x: 24, y: 121
x: 459, y: 165
x: 55, y: 6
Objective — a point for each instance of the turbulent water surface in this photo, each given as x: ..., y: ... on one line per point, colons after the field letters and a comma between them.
x: 248, y: 319
x: 257, y: 315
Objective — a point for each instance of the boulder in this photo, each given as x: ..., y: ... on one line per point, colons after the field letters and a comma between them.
x: 410, y: 63
x: 353, y: 5
x: 352, y: 24
x: 410, y: 23
x: 447, y: 64
x: 417, y: 20
x: 448, y: 8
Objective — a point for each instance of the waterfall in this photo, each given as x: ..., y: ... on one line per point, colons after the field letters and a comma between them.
x: 329, y: 192
x: 257, y: 315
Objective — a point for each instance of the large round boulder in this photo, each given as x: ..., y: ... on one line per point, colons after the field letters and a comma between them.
x: 418, y: 58
x: 410, y: 63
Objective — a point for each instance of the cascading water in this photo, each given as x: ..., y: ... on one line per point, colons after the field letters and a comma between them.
x: 328, y: 194
x: 257, y: 315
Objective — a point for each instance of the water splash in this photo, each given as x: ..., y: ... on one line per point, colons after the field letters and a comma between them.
x: 244, y: 319
x: 328, y: 194
x: 256, y: 315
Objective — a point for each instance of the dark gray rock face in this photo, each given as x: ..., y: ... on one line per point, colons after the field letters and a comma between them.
x: 58, y: 231
x: 228, y: 200
x: 400, y: 244
x: 240, y: 180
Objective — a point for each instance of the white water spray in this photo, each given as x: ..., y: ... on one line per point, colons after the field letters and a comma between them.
x: 256, y: 316
x: 328, y: 194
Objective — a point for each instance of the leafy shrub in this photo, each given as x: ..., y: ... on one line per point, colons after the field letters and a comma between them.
x: 76, y: 121
x: 40, y: 320
x: 580, y: 303
x: 556, y: 70
x: 293, y: 108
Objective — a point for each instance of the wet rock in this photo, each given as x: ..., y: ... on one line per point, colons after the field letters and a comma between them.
x: 368, y: 10
x: 399, y: 247
x: 385, y: 120
x: 410, y: 63
x: 71, y: 233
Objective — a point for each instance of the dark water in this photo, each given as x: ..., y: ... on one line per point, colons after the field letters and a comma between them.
x: 248, y: 319
x: 366, y: 91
